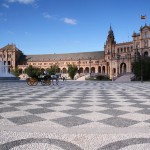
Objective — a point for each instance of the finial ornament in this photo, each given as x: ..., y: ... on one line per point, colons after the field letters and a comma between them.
x: 110, y: 27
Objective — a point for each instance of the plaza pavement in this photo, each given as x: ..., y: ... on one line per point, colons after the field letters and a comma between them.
x: 75, y: 115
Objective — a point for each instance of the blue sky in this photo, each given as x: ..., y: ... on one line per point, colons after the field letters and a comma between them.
x: 66, y: 26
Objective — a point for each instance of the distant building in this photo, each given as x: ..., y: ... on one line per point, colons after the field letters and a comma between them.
x: 116, y: 59
x: 11, y: 55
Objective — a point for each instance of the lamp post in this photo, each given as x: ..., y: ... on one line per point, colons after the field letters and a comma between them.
x: 101, y: 69
x: 141, y: 67
x: 118, y: 58
x: 129, y: 62
x: 79, y: 66
x: 90, y: 65
x: 10, y: 68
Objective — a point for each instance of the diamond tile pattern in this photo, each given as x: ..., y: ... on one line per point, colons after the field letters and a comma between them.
x: 7, y: 109
x: 76, y: 111
x: 48, y: 105
x: 75, y: 104
x: 114, y: 112
x: 79, y: 105
x: 25, y: 119
x: 19, y: 104
x: 119, y: 122
x: 39, y: 110
x: 110, y: 105
x: 144, y: 111
x: 71, y: 121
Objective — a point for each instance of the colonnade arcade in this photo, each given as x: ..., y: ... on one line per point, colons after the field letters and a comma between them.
x: 82, y: 70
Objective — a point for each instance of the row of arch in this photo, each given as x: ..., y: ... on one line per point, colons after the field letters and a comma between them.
x: 124, y: 49
x: 101, y: 69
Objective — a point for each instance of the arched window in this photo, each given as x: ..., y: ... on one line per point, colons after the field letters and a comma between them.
x: 123, y: 68
x: 121, y: 50
x: 64, y: 70
x: 114, y: 70
x: 146, y: 54
x: 81, y: 70
x: 93, y: 70
x: 125, y: 49
x: 99, y: 69
x: 86, y: 70
x: 103, y: 70
x: 58, y: 70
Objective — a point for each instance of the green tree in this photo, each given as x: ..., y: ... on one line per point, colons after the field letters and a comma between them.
x: 16, y: 72
x: 53, y: 70
x: 33, y: 71
x: 141, y: 68
x: 72, y: 70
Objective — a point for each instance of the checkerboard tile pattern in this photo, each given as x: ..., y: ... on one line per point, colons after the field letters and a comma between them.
x: 74, y: 104
x: 117, y: 115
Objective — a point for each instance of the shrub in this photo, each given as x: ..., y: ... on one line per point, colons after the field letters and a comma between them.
x: 72, y: 70
x: 33, y: 71
x: 102, y: 77
x: 16, y: 72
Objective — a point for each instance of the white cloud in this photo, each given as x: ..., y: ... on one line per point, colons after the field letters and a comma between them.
x: 57, y: 18
x: 70, y: 21
x: 46, y: 15
x: 22, y: 1
x: 5, y: 5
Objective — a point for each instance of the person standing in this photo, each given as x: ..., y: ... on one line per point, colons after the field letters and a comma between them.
x: 63, y: 78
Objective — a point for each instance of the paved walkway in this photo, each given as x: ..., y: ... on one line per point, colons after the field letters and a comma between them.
x: 75, y: 115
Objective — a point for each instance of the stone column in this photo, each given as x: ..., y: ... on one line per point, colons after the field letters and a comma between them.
x: 111, y: 71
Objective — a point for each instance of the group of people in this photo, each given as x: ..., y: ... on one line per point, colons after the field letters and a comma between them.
x: 54, y: 77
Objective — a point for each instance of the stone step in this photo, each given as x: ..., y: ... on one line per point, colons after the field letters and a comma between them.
x: 125, y: 78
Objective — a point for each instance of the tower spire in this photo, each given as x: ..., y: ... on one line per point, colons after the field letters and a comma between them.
x: 110, y: 27
x: 110, y: 37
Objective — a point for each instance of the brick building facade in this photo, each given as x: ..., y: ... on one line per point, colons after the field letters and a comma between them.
x: 116, y: 59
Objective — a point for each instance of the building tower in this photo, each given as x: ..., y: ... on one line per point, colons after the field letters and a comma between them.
x: 109, y: 50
